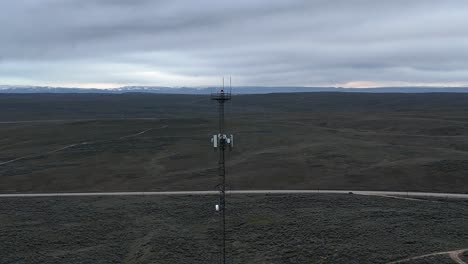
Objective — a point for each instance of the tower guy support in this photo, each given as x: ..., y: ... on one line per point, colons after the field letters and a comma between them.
x: 220, y: 142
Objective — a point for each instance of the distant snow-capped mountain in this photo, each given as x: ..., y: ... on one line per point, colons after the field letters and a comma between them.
x: 236, y: 90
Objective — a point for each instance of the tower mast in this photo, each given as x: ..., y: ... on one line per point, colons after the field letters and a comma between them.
x: 220, y: 142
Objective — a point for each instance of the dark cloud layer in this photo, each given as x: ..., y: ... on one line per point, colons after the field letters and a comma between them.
x: 265, y: 42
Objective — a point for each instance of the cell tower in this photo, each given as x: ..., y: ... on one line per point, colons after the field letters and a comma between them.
x: 220, y: 142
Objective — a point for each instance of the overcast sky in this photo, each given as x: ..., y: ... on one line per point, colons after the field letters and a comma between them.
x: 352, y: 43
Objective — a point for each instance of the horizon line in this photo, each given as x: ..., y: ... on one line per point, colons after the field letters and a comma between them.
x: 13, y: 86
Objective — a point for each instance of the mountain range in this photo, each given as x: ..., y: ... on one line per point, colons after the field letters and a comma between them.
x: 235, y: 90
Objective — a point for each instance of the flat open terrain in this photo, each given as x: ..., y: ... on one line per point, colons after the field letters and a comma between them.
x: 143, y: 142
x: 261, y: 229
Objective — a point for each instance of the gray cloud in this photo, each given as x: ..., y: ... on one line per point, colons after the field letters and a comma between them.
x: 263, y: 42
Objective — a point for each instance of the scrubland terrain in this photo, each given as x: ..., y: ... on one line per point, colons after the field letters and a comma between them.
x: 260, y: 229
x: 141, y: 142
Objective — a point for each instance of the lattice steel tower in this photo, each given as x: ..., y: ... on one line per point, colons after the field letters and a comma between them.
x: 221, y: 141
